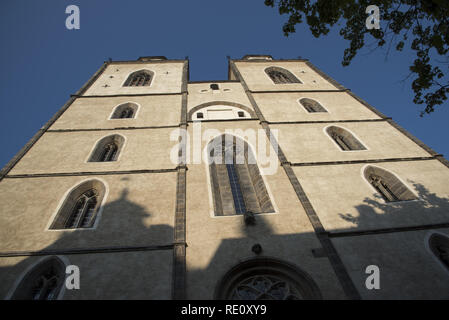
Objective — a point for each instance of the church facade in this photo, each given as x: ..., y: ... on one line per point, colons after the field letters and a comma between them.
x: 278, y: 183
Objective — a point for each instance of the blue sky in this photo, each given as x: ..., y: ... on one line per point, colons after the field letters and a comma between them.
x: 42, y: 62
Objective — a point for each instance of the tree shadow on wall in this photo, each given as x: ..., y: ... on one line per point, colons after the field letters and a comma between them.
x: 110, y: 265
x: 428, y: 209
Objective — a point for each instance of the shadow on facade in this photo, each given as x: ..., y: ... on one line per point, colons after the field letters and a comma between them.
x: 120, y: 275
x: 300, y: 250
x: 147, y: 274
x: 428, y: 209
x: 261, y: 249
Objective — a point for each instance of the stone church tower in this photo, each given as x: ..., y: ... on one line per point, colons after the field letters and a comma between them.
x: 157, y: 187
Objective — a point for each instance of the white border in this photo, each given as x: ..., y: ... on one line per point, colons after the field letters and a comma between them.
x: 354, y: 135
x: 64, y: 197
x: 64, y: 260
x: 209, y: 187
x: 426, y: 245
x: 95, y: 146
x: 127, y: 102
x: 412, y: 190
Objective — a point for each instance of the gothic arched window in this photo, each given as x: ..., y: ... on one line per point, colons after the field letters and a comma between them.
x: 311, y: 105
x: 43, y: 282
x: 439, y: 245
x: 80, y: 207
x: 281, y: 75
x: 266, y: 279
x: 236, y: 183
x: 345, y: 140
x: 107, y: 149
x: 125, y: 111
x: 388, y: 185
x: 139, y: 78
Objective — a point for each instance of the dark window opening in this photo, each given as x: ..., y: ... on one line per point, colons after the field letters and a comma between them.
x: 127, y: 113
x: 139, y: 79
x: 388, y: 185
x: 379, y: 184
x: 109, y: 152
x: 107, y: 149
x: 84, y: 211
x: 312, y: 105
x: 439, y: 244
x: 280, y: 75
x: 43, y: 282
x: 80, y: 207
x: 345, y: 140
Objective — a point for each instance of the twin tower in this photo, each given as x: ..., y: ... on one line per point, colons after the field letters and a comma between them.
x: 302, y: 191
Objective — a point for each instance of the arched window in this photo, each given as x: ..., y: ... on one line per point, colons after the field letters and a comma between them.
x: 139, y: 78
x: 439, y: 245
x: 345, y: 140
x: 107, y: 149
x: 43, y: 282
x: 281, y: 75
x: 388, y: 185
x: 266, y: 279
x: 125, y: 111
x: 311, y: 105
x: 80, y: 207
x: 236, y: 183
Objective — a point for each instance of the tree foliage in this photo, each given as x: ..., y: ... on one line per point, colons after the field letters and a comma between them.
x: 423, y: 25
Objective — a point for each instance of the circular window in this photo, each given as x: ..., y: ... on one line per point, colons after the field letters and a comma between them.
x: 266, y: 279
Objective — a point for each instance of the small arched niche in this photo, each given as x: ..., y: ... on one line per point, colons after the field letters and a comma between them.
x: 236, y: 183
x: 80, y: 207
x: 266, y: 279
x: 125, y: 111
x: 311, y: 105
x: 388, y: 185
x: 344, y: 139
x: 281, y: 76
x: 139, y: 78
x: 43, y: 282
x: 107, y: 149
x: 439, y: 245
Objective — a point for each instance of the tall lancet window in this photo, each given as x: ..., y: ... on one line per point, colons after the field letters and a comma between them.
x: 345, y: 140
x: 43, y: 282
x: 236, y: 183
x: 107, y: 149
x: 281, y: 75
x: 80, y: 207
x: 139, y: 79
x: 439, y: 245
x: 311, y: 105
x: 388, y: 185
x: 125, y: 111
